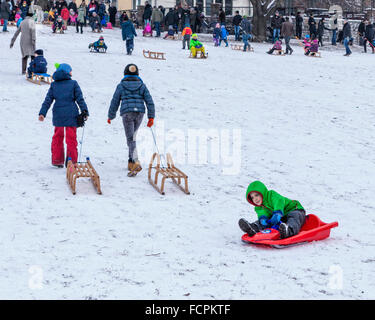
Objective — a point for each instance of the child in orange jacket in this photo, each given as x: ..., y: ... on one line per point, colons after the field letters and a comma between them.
x: 186, y: 34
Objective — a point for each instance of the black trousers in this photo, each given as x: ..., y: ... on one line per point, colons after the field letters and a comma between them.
x: 79, y: 25
x: 24, y: 63
x: 299, y: 32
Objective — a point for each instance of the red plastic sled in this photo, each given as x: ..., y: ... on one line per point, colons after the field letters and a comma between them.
x: 314, y: 229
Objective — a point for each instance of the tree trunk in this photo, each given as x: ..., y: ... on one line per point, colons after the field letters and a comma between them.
x: 261, y: 14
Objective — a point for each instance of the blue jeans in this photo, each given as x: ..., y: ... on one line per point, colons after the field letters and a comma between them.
x: 5, y: 25
x: 129, y: 45
x: 346, y: 44
x: 237, y: 33
x: 157, y: 28
x: 245, y: 38
x: 276, y: 34
x: 147, y: 21
x: 334, y: 32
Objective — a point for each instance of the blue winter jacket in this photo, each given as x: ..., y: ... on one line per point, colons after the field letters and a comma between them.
x: 38, y: 65
x: 67, y: 94
x: 217, y: 33
x: 224, y: 33
x: 128, y: 30
x: 133, y: 94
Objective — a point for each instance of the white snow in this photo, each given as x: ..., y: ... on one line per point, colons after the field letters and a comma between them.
x: 307, y: 131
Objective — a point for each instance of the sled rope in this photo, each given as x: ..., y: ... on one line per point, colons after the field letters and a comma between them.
x: 81, y: 143
x: 157, y: 149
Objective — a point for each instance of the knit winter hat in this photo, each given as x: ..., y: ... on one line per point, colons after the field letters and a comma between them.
x: 64, y: 67
x: 131, y: 70
x: 39, y: 52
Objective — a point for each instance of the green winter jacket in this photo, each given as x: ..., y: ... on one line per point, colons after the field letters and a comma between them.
x: 272, y: 201
x: 195, y: 43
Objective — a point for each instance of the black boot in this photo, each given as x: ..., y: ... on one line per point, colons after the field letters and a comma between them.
x: 284, y: 230
x: 245, y: 226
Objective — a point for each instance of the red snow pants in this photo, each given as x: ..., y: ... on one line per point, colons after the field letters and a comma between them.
x: 57, y: 146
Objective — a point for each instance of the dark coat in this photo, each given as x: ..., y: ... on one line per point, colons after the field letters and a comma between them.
x: 347, y: 31
x: 128, y: 30
x: 276, y: 22
x: 369, y: 32
x: 5, y: 10
x: 361, y: 28
x: 237, y: 20
x: 38, y: 65
x: 170, y: 18
x: 67, y: 94
x: 147, y: 12
x: 132, y: 93
x: 222, y: 17
x: 246, y: 26
x: 321, y: 28
x: 73, y: 6
x: 299, y: 21
x: 312, y: 25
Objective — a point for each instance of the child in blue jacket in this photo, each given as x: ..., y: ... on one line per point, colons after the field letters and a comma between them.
x: 66, y: 93
x: 223, y: 35
x: 38, y: 64
x: 132, y: 94
x: 97, y: 45
x: 128, y: 34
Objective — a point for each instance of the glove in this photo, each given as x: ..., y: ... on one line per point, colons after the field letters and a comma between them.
x: 276, y: 218
x: 150, y: 122
x: 263, y: 221
x: 109, y: 121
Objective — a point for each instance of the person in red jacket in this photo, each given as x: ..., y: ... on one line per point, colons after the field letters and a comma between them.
x: 65, y: 16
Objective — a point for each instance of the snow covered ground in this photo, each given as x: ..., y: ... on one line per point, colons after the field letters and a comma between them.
x: 307, y: 130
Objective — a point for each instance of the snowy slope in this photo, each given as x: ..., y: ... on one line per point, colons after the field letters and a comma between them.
x: 307, y: 131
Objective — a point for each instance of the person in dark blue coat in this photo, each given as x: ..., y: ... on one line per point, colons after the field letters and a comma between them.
x: 67, y: 94
x: 128, y: 34
x: 132, y: 93
x: 38, y: 64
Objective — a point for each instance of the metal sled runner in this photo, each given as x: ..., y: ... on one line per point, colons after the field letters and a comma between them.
x: 240, y: 47
x: 98, y: 50
x: 82, y: 170
x: 40, y: 77
x: 154, y: 55
x: 170, y: 172
x: 199, y: 55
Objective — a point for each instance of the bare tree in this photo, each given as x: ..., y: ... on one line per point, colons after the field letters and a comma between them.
x: 262, y: 11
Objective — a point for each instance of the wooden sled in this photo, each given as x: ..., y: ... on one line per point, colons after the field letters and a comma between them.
x: 100, y: 50
x: 170, y: 172
x: 147, y: 34
x: 279, y: 53
x: 82, y: 170
x: 314, y: 55
x: 39, y: 77
x: 174, y: 37
x: 154, y: 55
x: 239, y: 47
x: 200, y: 55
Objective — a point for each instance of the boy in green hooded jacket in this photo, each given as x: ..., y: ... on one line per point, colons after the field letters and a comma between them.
x: 274, y: 211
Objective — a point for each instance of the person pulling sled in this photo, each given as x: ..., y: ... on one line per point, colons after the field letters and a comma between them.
x: 66, y: 93
x: 132, y: 93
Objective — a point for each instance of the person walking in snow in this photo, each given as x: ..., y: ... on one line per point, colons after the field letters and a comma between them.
x: 28, y: 38
x: 66, y: 94
x: 128, y: 34
x: 132, y: 94
x: 287, y: 31
x: 273, y: 211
